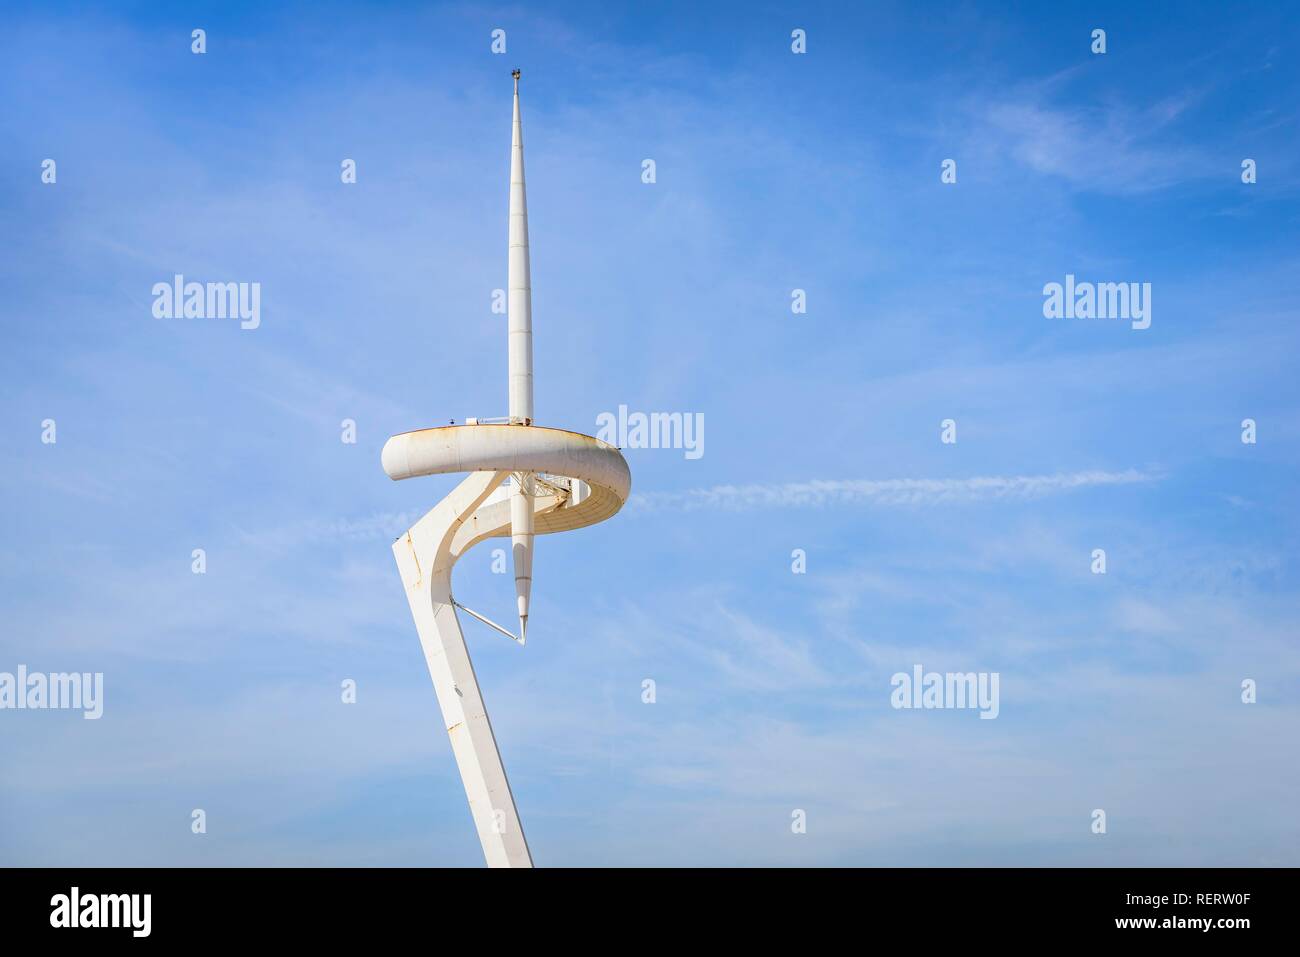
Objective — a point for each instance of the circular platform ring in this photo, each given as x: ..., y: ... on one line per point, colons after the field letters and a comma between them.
x: 519, y: 448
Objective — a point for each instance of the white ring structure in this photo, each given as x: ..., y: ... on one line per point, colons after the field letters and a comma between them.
x: 567, y: 461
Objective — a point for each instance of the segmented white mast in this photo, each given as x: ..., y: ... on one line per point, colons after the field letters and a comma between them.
x: 520, y: 302
x: 520, y: 306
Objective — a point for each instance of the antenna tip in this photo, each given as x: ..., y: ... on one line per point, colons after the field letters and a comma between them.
x: 515, y: 74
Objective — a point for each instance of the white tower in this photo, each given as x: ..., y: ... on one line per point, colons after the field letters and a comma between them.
x: 562, y: 481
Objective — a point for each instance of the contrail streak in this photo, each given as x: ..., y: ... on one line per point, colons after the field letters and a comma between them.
x: 820, y: 492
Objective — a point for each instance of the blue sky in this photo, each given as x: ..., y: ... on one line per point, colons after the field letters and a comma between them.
x: 775, y: 171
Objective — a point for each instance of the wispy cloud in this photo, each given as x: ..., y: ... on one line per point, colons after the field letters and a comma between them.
x: 378, y: 525
x: 1111, y: 147
x: 820, y: 492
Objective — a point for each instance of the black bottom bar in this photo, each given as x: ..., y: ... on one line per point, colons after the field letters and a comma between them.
x: 974, y: 906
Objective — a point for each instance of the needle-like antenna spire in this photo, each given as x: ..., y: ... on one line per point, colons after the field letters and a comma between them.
x: 520, y: 307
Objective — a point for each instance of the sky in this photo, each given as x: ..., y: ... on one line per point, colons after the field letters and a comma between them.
x: 774, y: 171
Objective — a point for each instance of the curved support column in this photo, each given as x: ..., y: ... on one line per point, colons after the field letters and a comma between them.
x: 425, y: 559
x: 578, y: 481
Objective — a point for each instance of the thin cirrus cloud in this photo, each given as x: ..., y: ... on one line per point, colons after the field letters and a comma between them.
x: 811, y: 494
x: 820, y: 492
x: 1111, y: 149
